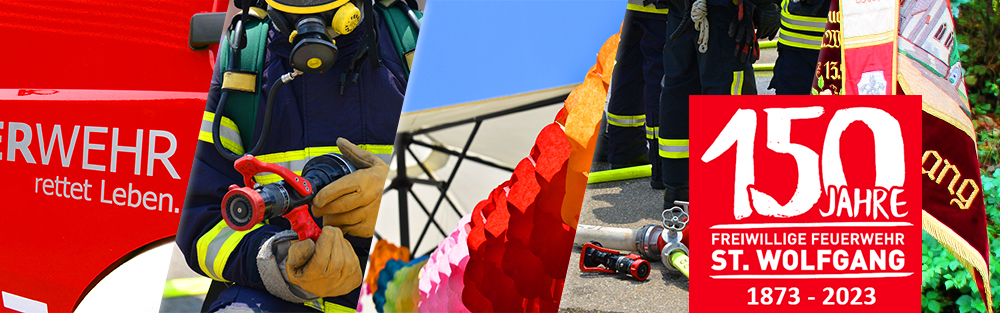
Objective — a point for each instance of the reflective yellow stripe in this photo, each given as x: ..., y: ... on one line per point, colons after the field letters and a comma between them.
x: 317, y: 151
x: 647, y: 9
x: 226, y: 122
x: 228, y: 133
x: 203, y: 251
x: 799, y: 22
x: 239, y: 81
x: 215, y: 246
x: 305, y: 9
x: 799, y: 40
x: 652, y: 132
x: 673, y: 148
x: 626, y: 120
x: 675, y: 142
x: 737, y: 88
x: 329, y: 307
x: 228, y: 144
x: 791, y: 23
x: 674, y: 155
x: 296, y: 160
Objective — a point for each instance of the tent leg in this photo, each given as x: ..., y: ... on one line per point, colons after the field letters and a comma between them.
x: 402, y: 185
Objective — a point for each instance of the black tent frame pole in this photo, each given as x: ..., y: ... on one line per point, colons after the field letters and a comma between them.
x: 403, y: 184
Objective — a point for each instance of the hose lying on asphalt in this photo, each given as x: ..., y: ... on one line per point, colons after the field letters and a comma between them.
x: 680, y: 261
x: 620, y: 174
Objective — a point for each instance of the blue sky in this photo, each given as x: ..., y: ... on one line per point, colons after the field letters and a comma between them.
x: 474, y: 50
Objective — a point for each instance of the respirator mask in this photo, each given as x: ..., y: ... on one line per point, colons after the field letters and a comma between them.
x: 311, y: 26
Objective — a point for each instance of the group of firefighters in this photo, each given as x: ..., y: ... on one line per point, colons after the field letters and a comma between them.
x: 671, y: 49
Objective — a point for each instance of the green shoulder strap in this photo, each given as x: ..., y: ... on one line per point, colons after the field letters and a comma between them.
x: 244, y: 82
x: 401, y: 29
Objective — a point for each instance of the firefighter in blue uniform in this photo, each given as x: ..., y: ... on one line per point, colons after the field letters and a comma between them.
x: 710, y: 50
x: 802, y: 25
x: 266, y: 268
x: 633, y: 100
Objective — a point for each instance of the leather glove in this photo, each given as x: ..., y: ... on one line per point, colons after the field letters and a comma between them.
x: 327, y: 268
x: 742, y: 30
x: 686, y: 23
x: 351, y: 202
x: 770, y: 21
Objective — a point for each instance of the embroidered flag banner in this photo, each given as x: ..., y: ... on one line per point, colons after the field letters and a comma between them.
x: 926, y: 62
x: 869, y: 45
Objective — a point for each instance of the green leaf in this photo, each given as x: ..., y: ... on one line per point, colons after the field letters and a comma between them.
x: 964, y: 301
x: 979, y: 306
x: 933, y: 295
x: 934, y: 306
x: 970, y: 80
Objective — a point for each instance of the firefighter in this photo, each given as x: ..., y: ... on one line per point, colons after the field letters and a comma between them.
x: 710, y: 50
x: 267, y: 268
x: 802, y: 26
x: 633, y: 99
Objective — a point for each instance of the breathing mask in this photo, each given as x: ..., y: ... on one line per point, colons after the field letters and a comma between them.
x: 311, y: 26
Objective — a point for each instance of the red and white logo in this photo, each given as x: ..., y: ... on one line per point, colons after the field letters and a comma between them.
x: 805, y: 202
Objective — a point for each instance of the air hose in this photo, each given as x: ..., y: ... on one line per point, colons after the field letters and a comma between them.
x: 268, y: 108
x: 236, y: 47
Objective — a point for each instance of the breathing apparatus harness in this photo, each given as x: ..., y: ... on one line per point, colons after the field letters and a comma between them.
x: 311, y: 26
x: 314, y: 50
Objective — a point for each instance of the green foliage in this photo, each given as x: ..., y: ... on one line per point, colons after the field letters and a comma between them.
x: 991, y: 194
x: 988, y: 142
x: 977, y: 25
x: 947, y: 286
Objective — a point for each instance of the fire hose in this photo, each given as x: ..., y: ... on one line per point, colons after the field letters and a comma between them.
x: 614, y: 261
x: 652, y: 242
x: 244, y: 207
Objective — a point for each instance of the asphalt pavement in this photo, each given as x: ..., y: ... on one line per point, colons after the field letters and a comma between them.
x: 625, y: 204
x: 179, y: 270
x: 630, y: 204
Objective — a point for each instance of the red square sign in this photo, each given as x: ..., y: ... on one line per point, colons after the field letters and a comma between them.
x: 805, y: 203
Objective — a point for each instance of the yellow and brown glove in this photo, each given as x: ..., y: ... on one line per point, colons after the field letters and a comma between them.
x: 351, y: 202
x: 327, y: 268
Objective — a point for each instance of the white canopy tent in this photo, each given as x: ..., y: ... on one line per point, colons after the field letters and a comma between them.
x: 489, y: 75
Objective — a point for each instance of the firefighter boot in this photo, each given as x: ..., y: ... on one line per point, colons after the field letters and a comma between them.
x: 674, y: 192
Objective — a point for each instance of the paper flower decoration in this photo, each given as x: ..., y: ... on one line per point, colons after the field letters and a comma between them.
x: 442, y: 278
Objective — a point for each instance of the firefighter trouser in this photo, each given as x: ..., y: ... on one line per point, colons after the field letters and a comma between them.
x: 689, y: 72
x: 794, y: 70
x: 633, y: 101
